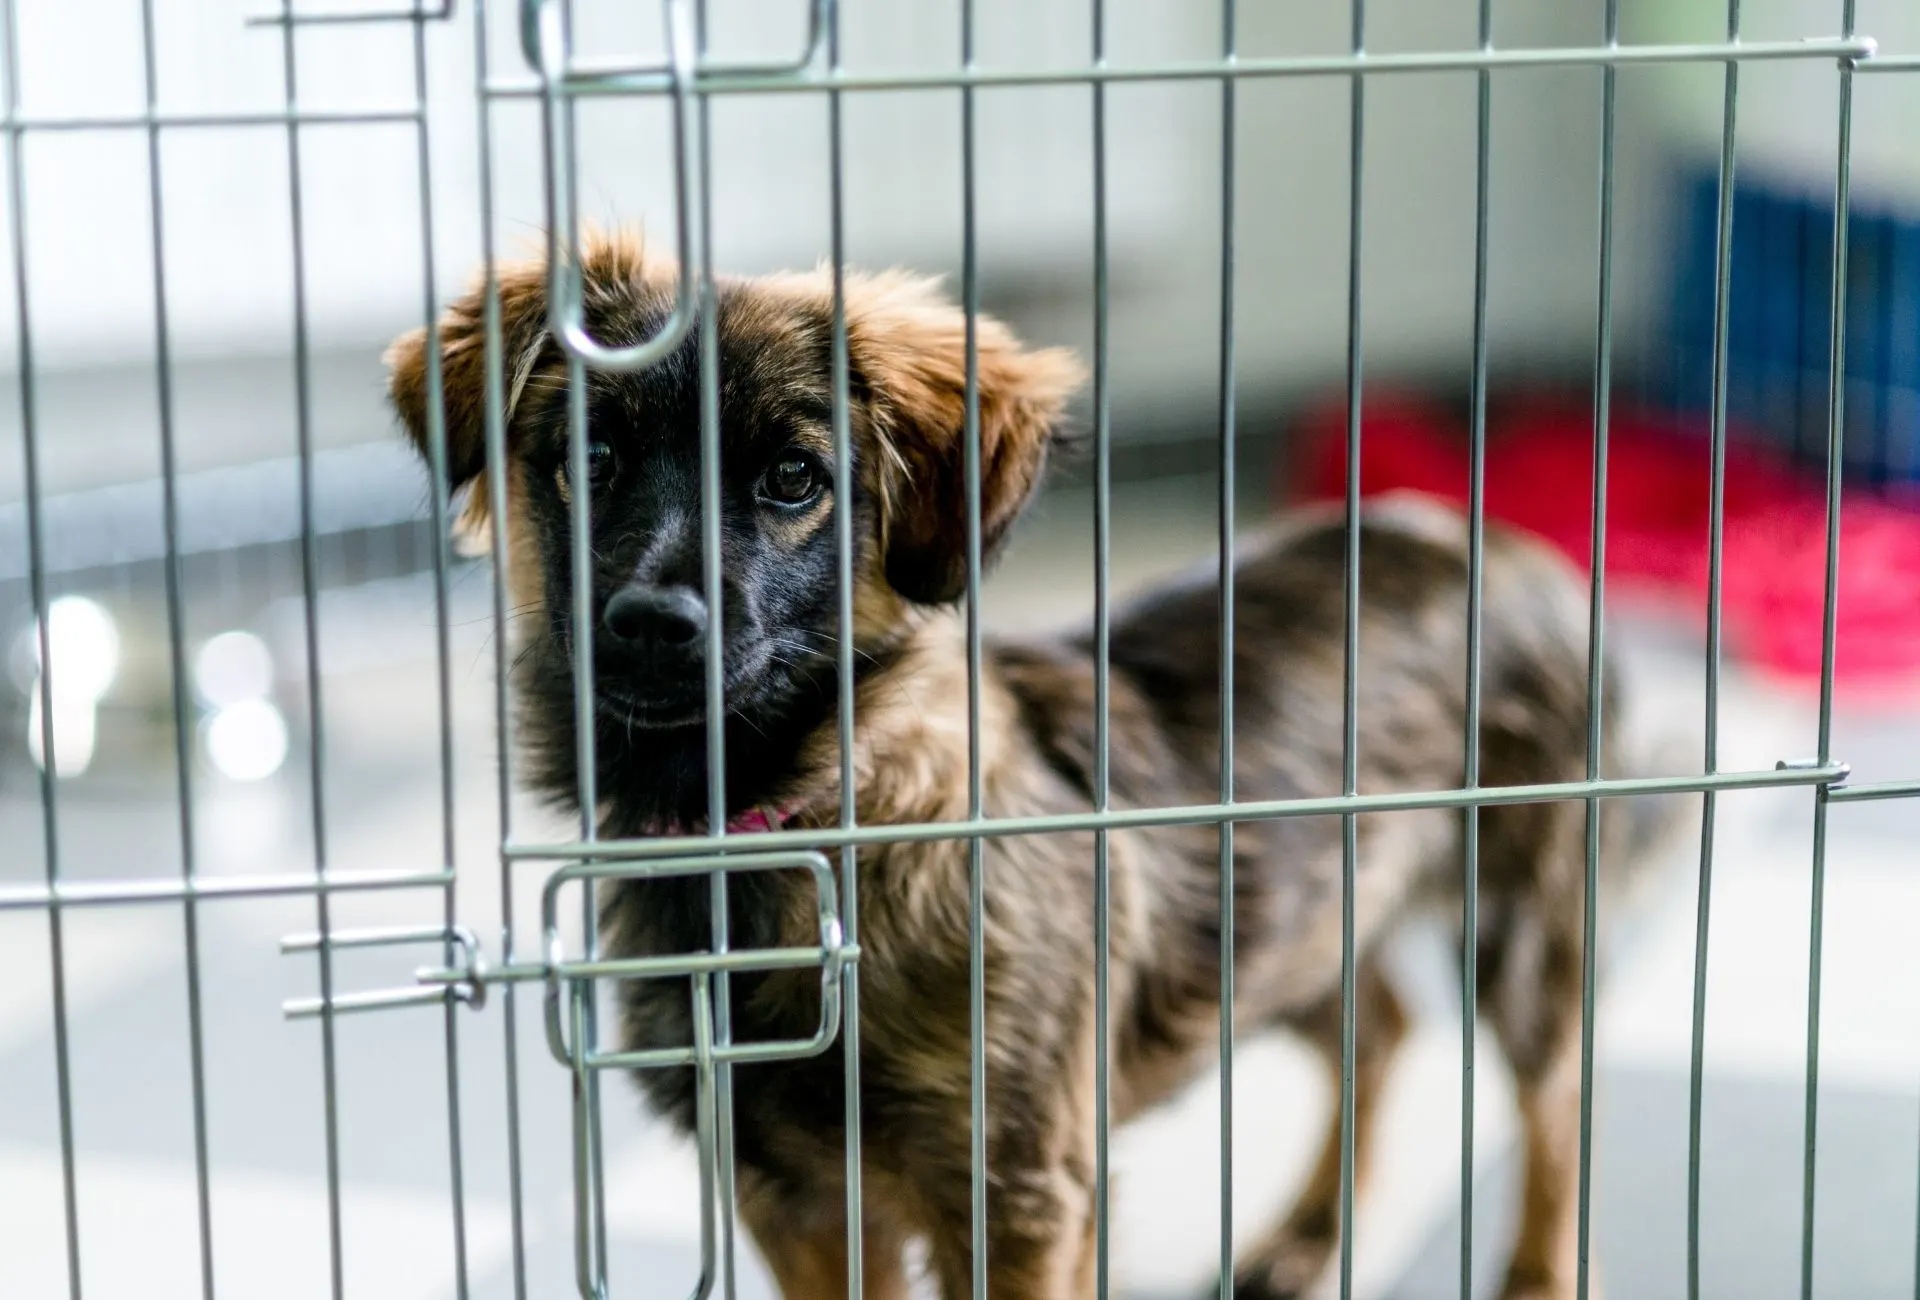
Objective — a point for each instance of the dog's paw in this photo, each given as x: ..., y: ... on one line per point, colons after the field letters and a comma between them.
x: 1534, y: 1288
x: 1283, y: 1270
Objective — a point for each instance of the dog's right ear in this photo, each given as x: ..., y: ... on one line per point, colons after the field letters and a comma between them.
x: 461, y: 334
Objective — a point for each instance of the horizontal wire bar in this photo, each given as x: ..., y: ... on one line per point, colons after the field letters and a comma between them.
x: 695, y: 963
x: 1890, y: 63
x: 1878, y: 790
x: 712, y: 82
x: 337, y: 17
x: 1193, y: 814
x: 310, y: 942
x: 262, y: 117
x: 385, y: 999
x: 99, y: 894
x: 110, y: 893
x: 655, y: 1058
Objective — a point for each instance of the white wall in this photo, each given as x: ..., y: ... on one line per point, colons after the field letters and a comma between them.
x: 229, y: 247
x: 227, y: 212
x: 1787, y: 111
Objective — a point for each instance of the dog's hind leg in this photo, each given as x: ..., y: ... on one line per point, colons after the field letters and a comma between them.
x: 1530, y: 990
x: 1291, y: 1255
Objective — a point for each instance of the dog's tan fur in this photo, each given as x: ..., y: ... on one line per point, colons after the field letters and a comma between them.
x: 906, y: 346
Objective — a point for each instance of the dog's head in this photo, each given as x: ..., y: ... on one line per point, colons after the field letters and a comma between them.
x: 907, y: 369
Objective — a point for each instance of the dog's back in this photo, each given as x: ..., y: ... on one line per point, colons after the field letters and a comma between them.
x: 1415, y: 659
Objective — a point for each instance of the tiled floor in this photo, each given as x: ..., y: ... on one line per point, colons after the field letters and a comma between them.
x: 132, y: 1090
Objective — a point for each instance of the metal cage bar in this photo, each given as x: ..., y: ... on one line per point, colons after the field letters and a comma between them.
x: 976, y: 792
x: 1102, y: 679
x: 36, y: 550
x: 1875, y: 791
x: 565, y: 980
x: 161, y: 119
x: 418, y: 14
x: 1350, y: 615
x: 1596, y: 637
x: 566, y: 308
x: 1476, y: 594
x: 437, y: 504
x: 310, y: 624
x: 1789, y: 773
x: 638, y: 80
x: 550, y: 26
x: 1829, y: 630
x: 840, y: 362
x: 1228, y: 502
x: 494, y: 432
x: 1716, y: 548
x: 176, y: 646
x: 710, y: 556
x: 61, y: 894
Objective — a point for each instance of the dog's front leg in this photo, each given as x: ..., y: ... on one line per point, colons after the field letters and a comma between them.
x: 1040, y: 1239
x: 1040, y: 1195
x: 804, y: 1241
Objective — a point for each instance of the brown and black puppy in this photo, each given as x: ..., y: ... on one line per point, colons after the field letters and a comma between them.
x: 908, y: 373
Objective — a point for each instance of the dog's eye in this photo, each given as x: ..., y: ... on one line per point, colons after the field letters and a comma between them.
x: 599, y: 462
x: 792, y: 480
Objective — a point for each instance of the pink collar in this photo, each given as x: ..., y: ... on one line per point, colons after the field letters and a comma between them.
x: 755, y: 820
x: 751, y: 822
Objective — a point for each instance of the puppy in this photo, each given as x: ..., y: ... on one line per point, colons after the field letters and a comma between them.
x: 779, y: 603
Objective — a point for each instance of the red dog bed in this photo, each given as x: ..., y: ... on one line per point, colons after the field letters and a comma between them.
x: 1539, y: 476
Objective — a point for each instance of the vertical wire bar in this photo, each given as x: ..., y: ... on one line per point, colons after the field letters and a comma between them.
x: 310, y: 608
x: 310, y: 595
x: 498, y: 468
x: 588, y: 781
x: 590, y: 1281
x: 1596, y: 639
x: 1350, y: 715
x: 586, y: 752
x: 1229, y: 484
x: 585, y: 748
x: 590, y: 1252
x: 976, y: 859
x: 710, y: 543
x: 843, y: 504
x: 1836, y: 449
x: 443, y: 653
x: 1716, y: 528
x: 560, y: 173
x: 176, y: 641
x: 37, y: 583
x: 1476, y: 585
x: 1102, y: 672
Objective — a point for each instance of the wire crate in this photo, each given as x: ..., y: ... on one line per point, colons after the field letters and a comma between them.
x: 447, y: 974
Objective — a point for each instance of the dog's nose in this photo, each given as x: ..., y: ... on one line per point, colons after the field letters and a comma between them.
x: 656, y: 618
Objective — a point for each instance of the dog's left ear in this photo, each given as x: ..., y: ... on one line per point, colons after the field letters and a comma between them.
x: 909, y: 347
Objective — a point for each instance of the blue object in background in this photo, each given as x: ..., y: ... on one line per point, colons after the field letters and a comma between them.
x: 1779, y: 332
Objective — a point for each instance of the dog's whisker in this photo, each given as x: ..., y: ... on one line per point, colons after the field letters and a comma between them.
x: 831, y: 643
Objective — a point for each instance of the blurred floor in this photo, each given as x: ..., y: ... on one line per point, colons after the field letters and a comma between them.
x: 132, y: 1081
